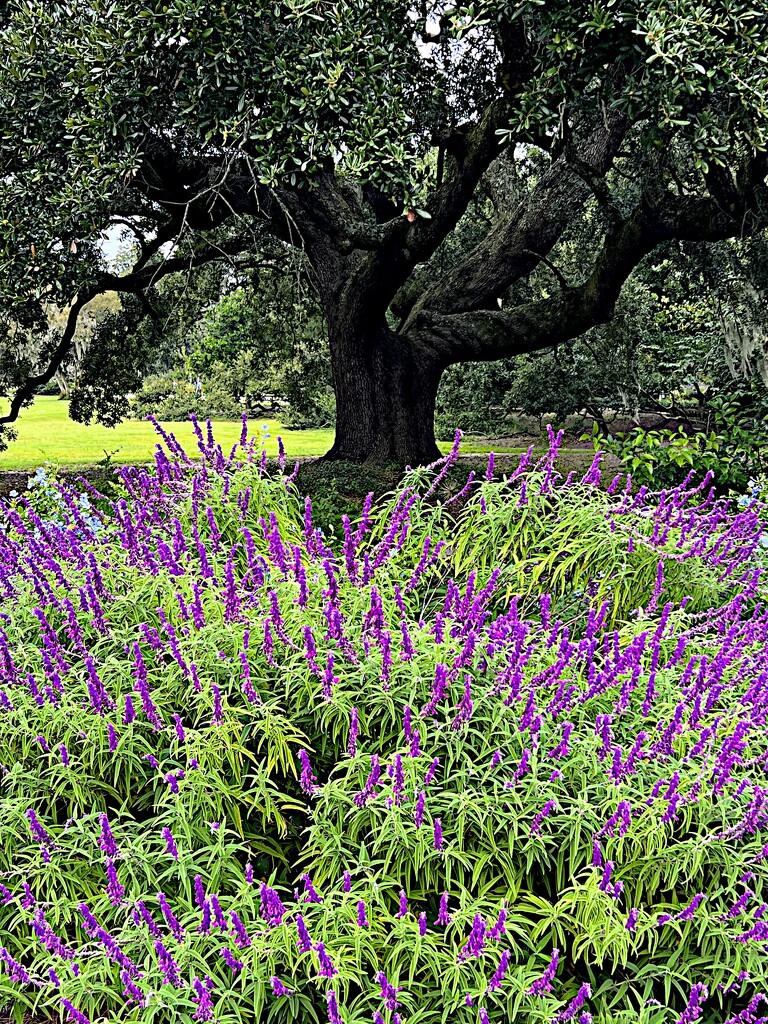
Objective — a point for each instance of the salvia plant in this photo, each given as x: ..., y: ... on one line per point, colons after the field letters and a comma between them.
x: 500, y: 757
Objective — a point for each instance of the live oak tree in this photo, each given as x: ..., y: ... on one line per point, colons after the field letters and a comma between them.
x: 361, y: 132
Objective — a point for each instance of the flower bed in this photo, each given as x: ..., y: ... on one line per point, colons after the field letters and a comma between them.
x: 499, y: 759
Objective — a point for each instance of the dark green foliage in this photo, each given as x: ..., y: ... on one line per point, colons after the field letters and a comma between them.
x: 340, y: 488
x: 735, y: 450
x: 169, y: 397
x: 472, y: 398
x: 113, y: 365
x: 260, y: 347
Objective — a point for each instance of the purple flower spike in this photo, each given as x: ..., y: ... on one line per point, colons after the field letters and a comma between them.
x: 106, y: 840
x: 418, y: 814
x: 304, y: 942
x: 311, y: 895
x: 500, y: 972
x: 631, y: 924
x: 272, y: 909
x: 16, y: 971
x: 388, y: 991
x: 500, y: 927
x: 443, y: 917
x: 475, y: 944
x: 544, y: 983
x: 202, y: 1001
x: 334, y: 1017
x: 327, y: 969
x: 693, y: 1010
x: 278, y: 988
x: 115, y: 890
x: 242, y: 940
x: 438, y: 834
x: 431, y: 772
x: 75, y: 1015
x: 308, y: 780
x: 362, y: 920
x: 403, y: 910
x: 354, y: 732
x: 170, y: 843
x: 230, y: 960
x: 575, y: 1004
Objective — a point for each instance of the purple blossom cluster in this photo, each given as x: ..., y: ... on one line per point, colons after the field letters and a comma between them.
x: 447, y: 696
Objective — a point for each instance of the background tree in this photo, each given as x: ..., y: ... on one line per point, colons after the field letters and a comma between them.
x: 361, y: 133
x: 249, y: 338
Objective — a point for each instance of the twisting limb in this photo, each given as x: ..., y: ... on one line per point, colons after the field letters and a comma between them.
x: 30, y: 386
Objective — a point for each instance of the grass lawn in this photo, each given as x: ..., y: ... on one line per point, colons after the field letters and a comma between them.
x: 47, y: 434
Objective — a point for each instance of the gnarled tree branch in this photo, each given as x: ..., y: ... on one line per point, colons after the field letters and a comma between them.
x: 482, y: 335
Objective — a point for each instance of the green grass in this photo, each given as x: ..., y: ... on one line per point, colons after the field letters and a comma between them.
x: 47, y: 434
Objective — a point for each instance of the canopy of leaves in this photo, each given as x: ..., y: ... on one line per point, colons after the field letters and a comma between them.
x: 182, y: 119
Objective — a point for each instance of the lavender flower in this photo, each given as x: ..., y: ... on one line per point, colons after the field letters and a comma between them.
x: 693, y: 1010
x: 308, y: 780
x: 303, y: 943
x: 500, y: 972
x: 202, y: 1000
x: 364, y: 795
x: 418, y: 814
x: 544, y: 983
x: 242, y: 941
x: 443, y: 917
x: 311, y: 895
x: 403, y: 907
x: 168, y: 966
x: 115, y: 890
x: 499, y: 928
x: 15, y: 970
x: 431, y: 772
x: 170, y: 843
x: 388, y: 991
x: 38, y: 832
x: 272, y: 909
x: 229, y: 959
x: 475, y: 944
x: 106, y: 840
x: 142, y: 913
x: 334, y: 1017
x: 362, y: 920
x: 546, y: 810
x: 278, y: 988
x: 354, y: 732
x: 75, y: 1015
x: 398, y: 781
x: 327, y: 969
x: 170, y: 918
x: 575, y: 1004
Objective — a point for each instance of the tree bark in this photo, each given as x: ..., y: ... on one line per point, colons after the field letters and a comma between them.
x: 386, y: 387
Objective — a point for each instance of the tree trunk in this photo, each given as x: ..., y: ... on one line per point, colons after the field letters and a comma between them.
x: 385, y: 386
